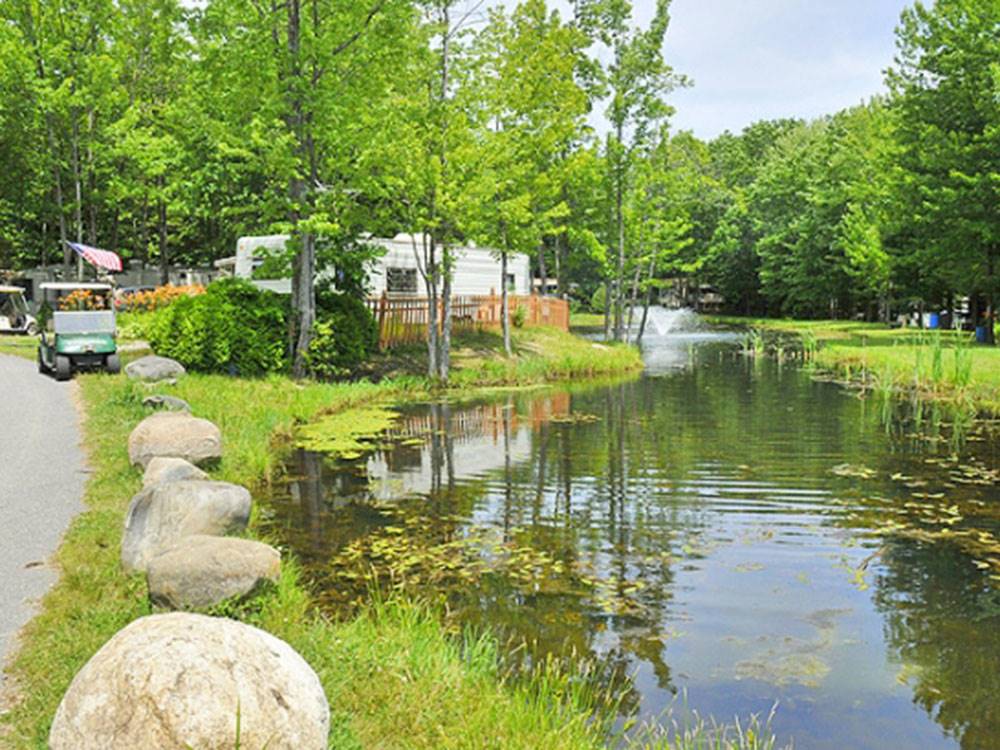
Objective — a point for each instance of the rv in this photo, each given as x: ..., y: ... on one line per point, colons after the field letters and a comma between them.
x: 396, y: 272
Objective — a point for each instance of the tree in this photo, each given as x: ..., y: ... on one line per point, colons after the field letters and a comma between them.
x: 947, y: 86
x: 637, y: 80
x: 532, y: 112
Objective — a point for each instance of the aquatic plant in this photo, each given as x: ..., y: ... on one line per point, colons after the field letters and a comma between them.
x: 694, y: 732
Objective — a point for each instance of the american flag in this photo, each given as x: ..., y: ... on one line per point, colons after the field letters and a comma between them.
x: 100, y: 258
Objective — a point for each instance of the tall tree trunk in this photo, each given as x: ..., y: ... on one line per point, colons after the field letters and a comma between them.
x: 607, y: 309
x: 444, y: 342
x: 560, y: 284
x: 305, y: 295
x: 620, y: 225
x: 78, y: 192
x: 444, y: 355
x: 163, y: 245
x: 633, y: 299
x: 504, y: 301
x: 144, y: 233
x: 304, y: 265
x: 991, y: 295
x: 114, y: 230
x: 431, y: 282
x: 648, y: 301
x: 544, y: 289
x: 91, y: 182
x: 57, y: 186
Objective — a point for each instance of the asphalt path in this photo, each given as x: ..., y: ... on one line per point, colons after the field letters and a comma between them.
x: 41, y: 486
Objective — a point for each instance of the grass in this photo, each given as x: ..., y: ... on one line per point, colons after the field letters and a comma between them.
x: 394, y: 676
x: 586, y: 320
x: 19, y: 346
x: 936, y: 365
x: 540, y: 355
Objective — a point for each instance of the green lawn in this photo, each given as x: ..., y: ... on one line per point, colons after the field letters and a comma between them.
x: 19, y: 346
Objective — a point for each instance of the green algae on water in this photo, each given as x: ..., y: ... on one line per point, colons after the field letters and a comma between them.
x: 348, y: 434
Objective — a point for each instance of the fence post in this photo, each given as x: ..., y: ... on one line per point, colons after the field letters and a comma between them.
x: 382, y: 304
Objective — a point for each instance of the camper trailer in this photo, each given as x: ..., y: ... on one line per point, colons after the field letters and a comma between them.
x: 396, y: 272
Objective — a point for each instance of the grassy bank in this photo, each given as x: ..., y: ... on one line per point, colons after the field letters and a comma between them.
x: 938, y: 365
x: 19, y: 346
x: 394, y: 677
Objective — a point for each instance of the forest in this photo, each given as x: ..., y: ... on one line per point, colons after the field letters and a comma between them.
x: 163, y: 130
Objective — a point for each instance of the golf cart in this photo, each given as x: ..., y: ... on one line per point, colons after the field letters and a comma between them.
x: 14, y: 315
x: 80, y: 332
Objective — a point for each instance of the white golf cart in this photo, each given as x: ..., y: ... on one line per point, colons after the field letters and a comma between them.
x: 14, y: 315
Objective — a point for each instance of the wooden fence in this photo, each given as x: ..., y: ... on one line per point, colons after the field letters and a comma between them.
x: 403, y: 320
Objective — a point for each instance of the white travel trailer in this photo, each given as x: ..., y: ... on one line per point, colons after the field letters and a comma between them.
x: 396, y: 273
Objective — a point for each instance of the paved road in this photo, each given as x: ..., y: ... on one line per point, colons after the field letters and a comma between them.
x: 41, y: 486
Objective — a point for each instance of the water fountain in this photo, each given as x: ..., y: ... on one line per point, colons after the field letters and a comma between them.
x: 671, y: 336
x: 661, y: 321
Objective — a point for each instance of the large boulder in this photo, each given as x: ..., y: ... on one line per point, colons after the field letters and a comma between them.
x: 201, y: 571
x: 175, y: 435
x: 152, y: 368
x: 166, y: 469
x: 186, y: 681
x: 168, y: 403
x: 166, y: 511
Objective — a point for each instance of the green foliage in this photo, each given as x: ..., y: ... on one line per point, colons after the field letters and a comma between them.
x: 345, y: 334
x: 597, y: 300
x: 233, y: 328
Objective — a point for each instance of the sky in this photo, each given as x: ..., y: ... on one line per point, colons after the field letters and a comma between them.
x: 762, y: 59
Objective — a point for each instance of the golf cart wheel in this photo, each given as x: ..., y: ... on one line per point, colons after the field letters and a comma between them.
x: 64, y: 368
x: 112, y: 364
x: 32, y: 329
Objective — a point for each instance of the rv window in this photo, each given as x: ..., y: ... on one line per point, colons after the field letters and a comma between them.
x: 401, y: 280
x: 511, y: 283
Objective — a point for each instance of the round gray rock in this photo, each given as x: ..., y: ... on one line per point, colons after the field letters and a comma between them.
x: 166, y: 469
x: 175, y: 435
x: 178, y: 681
x: 169, y: 403
x: 201, y: 571
x: 153, y: 368
x: 164, y: 512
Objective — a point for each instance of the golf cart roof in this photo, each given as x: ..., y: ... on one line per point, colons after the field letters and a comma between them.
x: 67, y: 285
x: 11, y: 289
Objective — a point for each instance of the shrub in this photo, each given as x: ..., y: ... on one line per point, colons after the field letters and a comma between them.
x: 597, y: 300
x: 518, y: 317
x: 233, y: 328
x: 345, y: 334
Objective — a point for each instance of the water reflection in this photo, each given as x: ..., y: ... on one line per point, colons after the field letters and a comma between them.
x: 723, y: 529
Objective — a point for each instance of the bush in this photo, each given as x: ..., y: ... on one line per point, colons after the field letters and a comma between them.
x: 233, y: 328
x: 597, y: 301
x: 345, y: 334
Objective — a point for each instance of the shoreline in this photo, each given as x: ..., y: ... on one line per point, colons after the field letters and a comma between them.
x: 935, y: 366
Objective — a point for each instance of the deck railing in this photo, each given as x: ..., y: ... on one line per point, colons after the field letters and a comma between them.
x: 403, y: 320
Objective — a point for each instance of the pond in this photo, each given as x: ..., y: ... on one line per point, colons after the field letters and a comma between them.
x: 727, y: 533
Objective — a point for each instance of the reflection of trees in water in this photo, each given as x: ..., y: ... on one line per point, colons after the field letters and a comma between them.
x: 943, y: 621
x: 616, y: 495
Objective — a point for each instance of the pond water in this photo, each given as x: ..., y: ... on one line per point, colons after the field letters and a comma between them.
x: 722, y: 529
